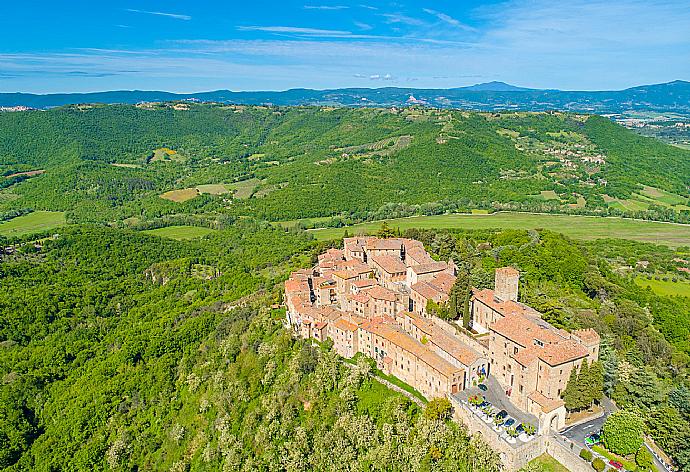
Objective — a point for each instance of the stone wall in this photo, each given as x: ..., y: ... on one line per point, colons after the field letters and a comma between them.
x: 563, y: 454
x: 513, y: 457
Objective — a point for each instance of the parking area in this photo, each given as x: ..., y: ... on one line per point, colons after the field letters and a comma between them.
x: 498, y: 404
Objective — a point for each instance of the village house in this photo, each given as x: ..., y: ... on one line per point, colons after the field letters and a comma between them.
x: 371, y: 298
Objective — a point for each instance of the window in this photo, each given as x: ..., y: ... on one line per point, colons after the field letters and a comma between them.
x: 521, y: 389
x: 515, y: 350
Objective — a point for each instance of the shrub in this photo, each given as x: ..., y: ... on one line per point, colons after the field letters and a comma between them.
x: 586, y: 454
x: 599, y: 465
x: 644, y: 459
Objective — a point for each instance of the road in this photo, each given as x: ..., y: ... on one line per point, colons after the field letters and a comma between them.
x: 578, y: 433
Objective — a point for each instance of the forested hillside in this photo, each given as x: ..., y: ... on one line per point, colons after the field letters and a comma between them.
x: 126, y: 351
x: 132, y: 164
x: 118, y: 352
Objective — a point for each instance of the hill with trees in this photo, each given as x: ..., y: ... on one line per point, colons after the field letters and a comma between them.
x: 113, y: 164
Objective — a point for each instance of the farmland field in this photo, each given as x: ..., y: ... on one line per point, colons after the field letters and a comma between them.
x: 665, y: 287
x: 180, y: 232
x: 32, y: 223
x: 181, y: 195
x: 244, y: 188
x: 580, y: 227
x: 213, y: 189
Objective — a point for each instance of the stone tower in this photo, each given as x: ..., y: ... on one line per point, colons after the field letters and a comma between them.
x: 507, y: 280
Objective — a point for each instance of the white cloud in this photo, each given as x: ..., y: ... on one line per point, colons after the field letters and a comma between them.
x: 448, y: 19
x: 160, y: 13
x: 295, y: 30
x: 325, y: 7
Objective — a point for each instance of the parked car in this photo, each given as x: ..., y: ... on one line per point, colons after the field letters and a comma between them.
x: 509, y: 422
x: 519, y: 428
x: 592, y: 439
x: 482, y: 387
x: 616, y: 464
x: 502, y: 414
x: 484, y: 403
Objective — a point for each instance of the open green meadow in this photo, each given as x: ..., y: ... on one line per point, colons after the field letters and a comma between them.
x: 579, y: 227
x: 180, y: 232
x: 665, y: 287
x: 32, y: 223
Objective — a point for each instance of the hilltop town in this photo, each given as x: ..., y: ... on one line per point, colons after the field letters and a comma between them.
x: 371, y: 297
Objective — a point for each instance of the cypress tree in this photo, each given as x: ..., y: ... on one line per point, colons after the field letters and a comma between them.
x: 569, y: 395
x: 583, y: 397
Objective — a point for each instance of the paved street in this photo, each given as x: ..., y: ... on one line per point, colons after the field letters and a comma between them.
x: 578, y: 433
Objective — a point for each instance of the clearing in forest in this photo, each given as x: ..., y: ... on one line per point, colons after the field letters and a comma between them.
x: 181, y: 195
x: 34, y: 222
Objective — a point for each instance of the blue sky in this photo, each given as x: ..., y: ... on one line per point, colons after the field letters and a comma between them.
x: 186, y: 46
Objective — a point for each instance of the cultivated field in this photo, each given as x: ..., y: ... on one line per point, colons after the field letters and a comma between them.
x: 665, y: 287
x: 580, y: 227
x: 32, y: 223
x: 244, y: 188
x: 181, y: 195
x: 180, y: 232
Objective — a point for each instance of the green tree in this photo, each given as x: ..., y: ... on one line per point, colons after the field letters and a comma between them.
x: 596, y: 386
x: 438, y: 409
x: 622, y: 432
x: 459, y: 298
x: 571, y: 394
x: 644, y: 459
x: 385, y: 231
x: 583, y: 397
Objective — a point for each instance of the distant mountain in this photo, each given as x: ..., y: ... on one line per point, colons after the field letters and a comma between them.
x: 495, y: 86
x: 672, y: 96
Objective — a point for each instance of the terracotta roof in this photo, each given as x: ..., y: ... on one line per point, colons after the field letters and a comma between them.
x: 524, y: 331
x: 390, y: 264
x: 588, y: 336
x: 419, y: 255
x: 443, y: 340
x: 345, y: 274
x: 332, y: 255
x: 355, y: 266
x: 364, y: 283
x: 320, y: 325
x: 294, y: 286
x: 547, y: 404
x: 344, y: 325
x: 381, y: 293
x: 526, y: 356
x: 394, y: 334
x: 384, y: 244
x: 488, y: 298
x: 565, y: 351
x: 360, y: 298
x: 430, y: 267
x: 427, y: 291
x: 443, y: 281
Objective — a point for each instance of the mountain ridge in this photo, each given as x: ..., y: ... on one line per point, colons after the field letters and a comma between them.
x: 666, y: 97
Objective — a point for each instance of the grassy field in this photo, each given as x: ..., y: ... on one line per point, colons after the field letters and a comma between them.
x: 546, y: 463
x: 244, y: 188
x: 213, y: 189
x: 181, y: 195
x: 32, y: 223
x: 180, y: 232
x: 665, y: 287
x: 579, y: 227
